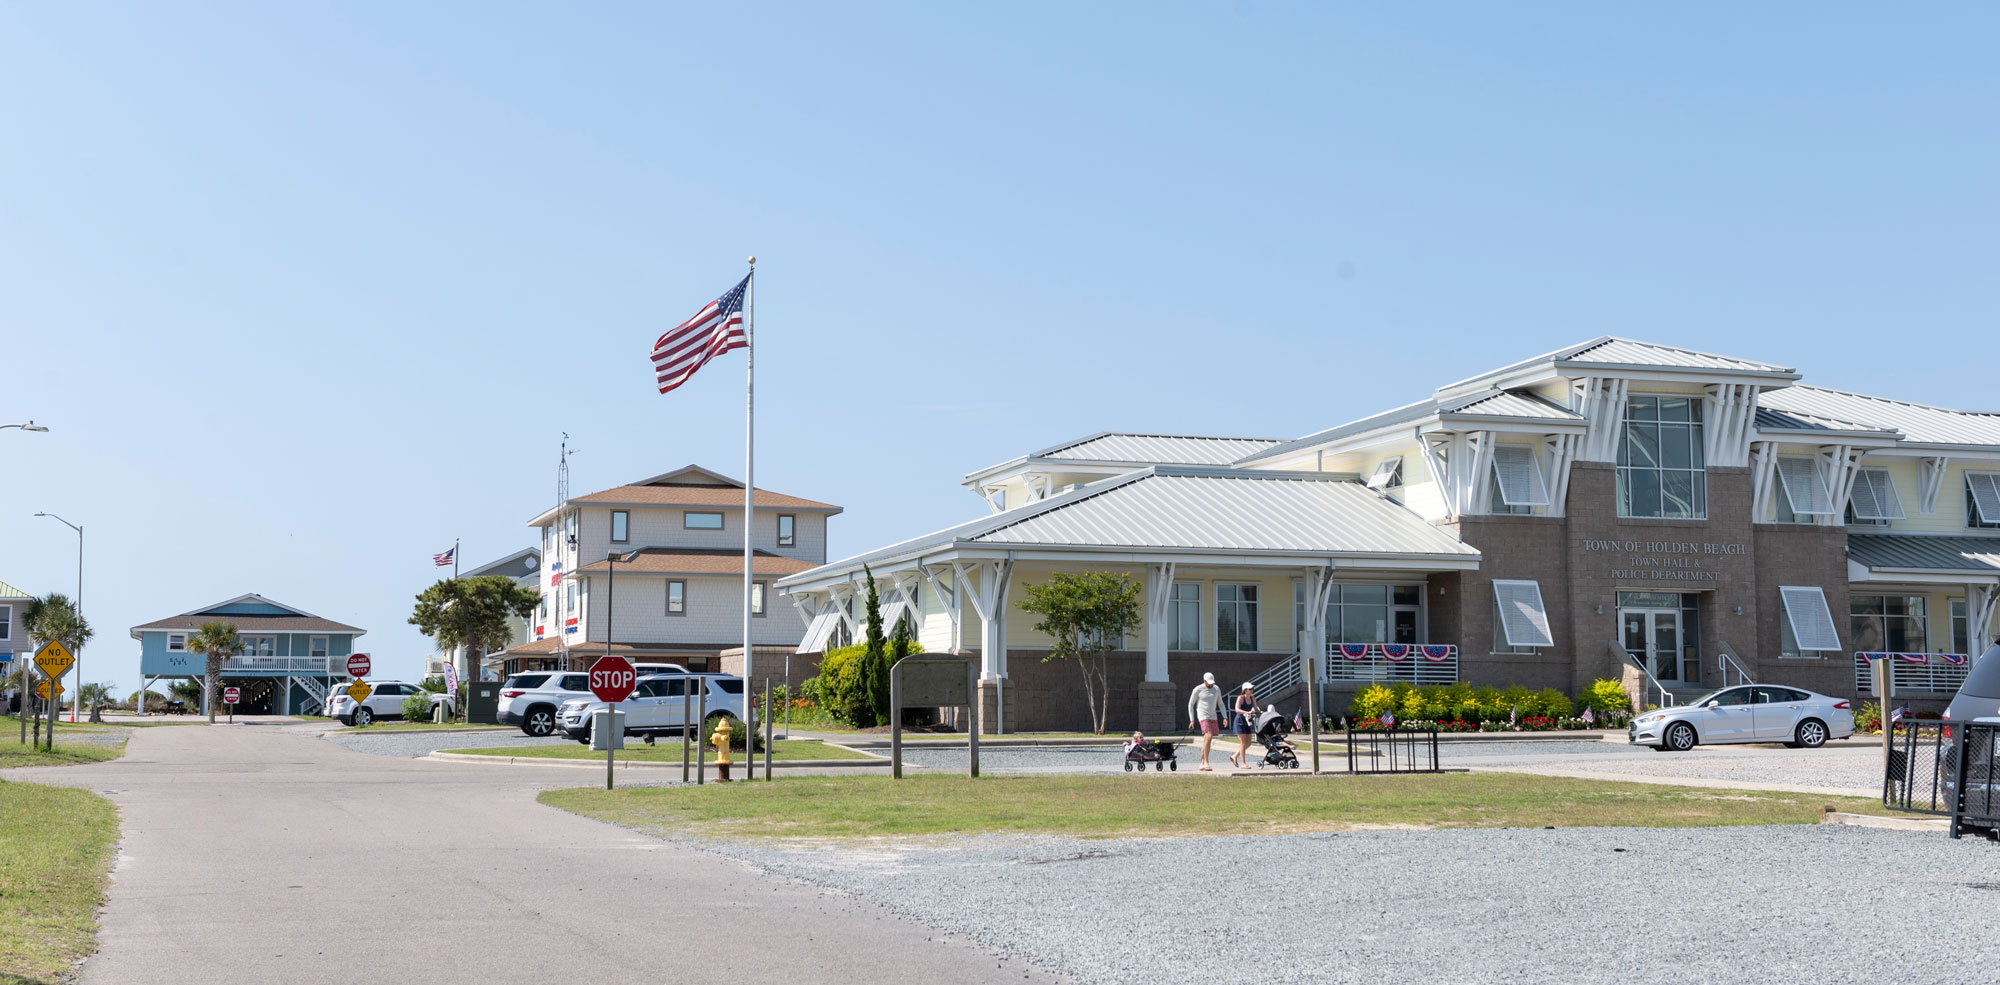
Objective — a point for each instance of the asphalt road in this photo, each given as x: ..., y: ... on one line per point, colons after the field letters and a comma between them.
x: 261, y: 853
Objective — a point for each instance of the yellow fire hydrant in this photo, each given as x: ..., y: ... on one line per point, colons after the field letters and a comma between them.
x: 721, y: 742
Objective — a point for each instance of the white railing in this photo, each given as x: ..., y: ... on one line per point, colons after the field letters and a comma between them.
x: 278, y: 665
x: 1935, y: 672
x: 1656, y: 689
x: 1725, y: 662
x: 1410, y: 663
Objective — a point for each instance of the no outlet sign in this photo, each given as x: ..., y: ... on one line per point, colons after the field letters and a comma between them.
x: 612, y: 678
x: 358, y: 666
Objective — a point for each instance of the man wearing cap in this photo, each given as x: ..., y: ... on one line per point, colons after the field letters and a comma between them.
x: 1205, y: 713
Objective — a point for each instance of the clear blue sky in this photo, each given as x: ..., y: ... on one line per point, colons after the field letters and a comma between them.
x: 307, y: 290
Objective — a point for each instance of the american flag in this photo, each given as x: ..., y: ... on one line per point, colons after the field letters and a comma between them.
x: 1388, y: 719
x: 714, y: 330
x: 444, y: 560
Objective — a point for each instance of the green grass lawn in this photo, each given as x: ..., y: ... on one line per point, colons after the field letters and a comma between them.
x: 55, y: 859
x: 14, y: 754
x: 1178, y: 805
x: 667, y: 752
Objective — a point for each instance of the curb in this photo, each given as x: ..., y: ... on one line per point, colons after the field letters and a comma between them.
x: 539, y: 761
x: 351, y: 730
x: 1889, y: 823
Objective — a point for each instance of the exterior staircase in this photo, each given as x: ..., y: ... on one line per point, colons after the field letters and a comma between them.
x: 317, y: 695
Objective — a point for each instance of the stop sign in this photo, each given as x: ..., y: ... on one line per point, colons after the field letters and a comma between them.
x: 357, y: 665
x: 612, y: 678
x: 230, y: 695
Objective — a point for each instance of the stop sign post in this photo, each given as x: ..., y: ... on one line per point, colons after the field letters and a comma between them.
x: 358, y: 666
x: 611, y: 680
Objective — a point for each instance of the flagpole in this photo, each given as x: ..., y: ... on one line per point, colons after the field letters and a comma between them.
x: 749, y: 499
x: 454, y: 559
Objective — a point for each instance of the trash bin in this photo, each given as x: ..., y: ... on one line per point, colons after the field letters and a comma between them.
x: 482, y: 702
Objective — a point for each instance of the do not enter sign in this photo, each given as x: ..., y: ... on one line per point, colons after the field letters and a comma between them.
x: 231, y: 695
x: 357, y: 665
x: 612, y: 678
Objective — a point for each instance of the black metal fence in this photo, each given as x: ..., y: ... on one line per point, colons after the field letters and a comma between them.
x: 1950, y: 769
x: 1394, y: 750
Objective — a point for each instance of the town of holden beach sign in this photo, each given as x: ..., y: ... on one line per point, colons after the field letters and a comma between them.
x: 1666, y: 560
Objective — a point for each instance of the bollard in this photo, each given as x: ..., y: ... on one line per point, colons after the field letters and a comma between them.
x: 721, y: 740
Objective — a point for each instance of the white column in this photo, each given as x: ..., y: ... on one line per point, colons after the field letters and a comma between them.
x: 1159, y: 597
x: 989, y: 599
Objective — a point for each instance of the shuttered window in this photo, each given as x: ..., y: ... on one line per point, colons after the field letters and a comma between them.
x: 1519, y: 472
x: 1522, y: 619
x: 1810, y: 620
x: 1874, y: 496
x: 1805, y: 488
x: 1388, y: 472
x: 1983, y: 489
x: 818, y: 632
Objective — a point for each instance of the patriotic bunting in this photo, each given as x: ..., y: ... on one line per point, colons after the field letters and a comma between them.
x: 1437, y: 652
x: 1395, y: 652
x: 1354, y: 651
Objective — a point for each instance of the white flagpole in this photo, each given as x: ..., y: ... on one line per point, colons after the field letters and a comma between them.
x: 749, y: 502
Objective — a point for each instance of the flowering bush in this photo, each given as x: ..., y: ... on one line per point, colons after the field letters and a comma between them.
x: 1606, y: 698
x: 1868, y: 718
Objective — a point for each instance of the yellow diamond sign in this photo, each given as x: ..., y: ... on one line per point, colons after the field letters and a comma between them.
x: 54, y: 659
x: 42, y: 690
x: 359, y: 691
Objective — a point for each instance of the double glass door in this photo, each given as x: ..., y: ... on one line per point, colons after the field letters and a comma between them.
x: 1653, y: 638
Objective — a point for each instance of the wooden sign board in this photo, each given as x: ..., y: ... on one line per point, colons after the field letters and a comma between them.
x: 934, y: 681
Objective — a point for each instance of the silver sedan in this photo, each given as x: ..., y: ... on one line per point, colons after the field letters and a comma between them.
x: 1749, y: 713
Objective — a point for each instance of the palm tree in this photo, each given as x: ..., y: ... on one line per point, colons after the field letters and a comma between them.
x: 54, y: 617
x: 94, y: 697
x: 217, y: 641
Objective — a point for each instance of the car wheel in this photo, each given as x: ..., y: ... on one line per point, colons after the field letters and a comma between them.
x: 1680, y: 737
x: 1811, y: 733
x: 540, y: 722
x: 363, y: 716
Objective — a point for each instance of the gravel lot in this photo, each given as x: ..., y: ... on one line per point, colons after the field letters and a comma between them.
x: 1511, y: 905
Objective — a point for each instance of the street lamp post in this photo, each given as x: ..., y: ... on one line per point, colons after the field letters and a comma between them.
x: 77, y: 706
x: 30, y: 426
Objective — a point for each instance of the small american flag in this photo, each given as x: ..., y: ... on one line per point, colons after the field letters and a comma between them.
x: 1388, y: 719
x: 1897, y: 715
x: 1589, y: 717
x: 688, y: 346
x: 444, y: 560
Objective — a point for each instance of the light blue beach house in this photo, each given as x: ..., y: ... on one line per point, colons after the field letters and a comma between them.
x: 288, y: 661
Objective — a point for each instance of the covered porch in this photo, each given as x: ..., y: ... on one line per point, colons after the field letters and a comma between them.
x: 1927, y: 603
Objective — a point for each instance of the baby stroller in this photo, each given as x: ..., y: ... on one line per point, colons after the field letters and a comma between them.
x: 1271, y: 731
x: 1160, y: 754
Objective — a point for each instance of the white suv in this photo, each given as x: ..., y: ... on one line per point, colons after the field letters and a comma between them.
x: 656, y: 704
x: 529, y: 700
x: 384, y: 701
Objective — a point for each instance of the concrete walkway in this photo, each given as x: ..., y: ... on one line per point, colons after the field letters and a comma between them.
x: 259, y: 853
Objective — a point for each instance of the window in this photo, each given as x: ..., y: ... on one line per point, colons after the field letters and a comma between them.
x: 1804, y: 486
x: 1498, y: 505
x: 1889, y: 623
x: 571, y: 525
x: 757, y: 597
x: 1184, y: 615
x: 258, y: 646
x: 1982, y: 499
x: 1388, y: 474
x: 1961, y: 635
x: 177, y: 643
x: 1236, y: 617
x: 1501, y: 644
x: 621, y: 522
x: 1523, y: 621
x: 573, y: 682
x: 316, y: 646
x: 6, y: 622
x: 570, y: 603
x: 787, y: 530
x: 701, y: 521
x: 1517, y: 476
x: 1874, y: 500
x: 1806, y: 629
x: 676, y: 598
x: 1661, y: 468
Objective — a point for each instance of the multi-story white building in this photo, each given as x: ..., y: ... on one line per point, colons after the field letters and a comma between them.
x: 1677, y: 519
x: 676, y: 594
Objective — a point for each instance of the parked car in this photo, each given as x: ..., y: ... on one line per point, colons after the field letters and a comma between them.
x: 529, y: 700
x: 1977, y: 701
x: 1979, y: 696
x: 1748, y: 713
x: 384, y: 701
x: 649, y: 669
x: 657, y: 705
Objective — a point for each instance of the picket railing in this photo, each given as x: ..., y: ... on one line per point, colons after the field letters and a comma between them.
x: 1935, y: 672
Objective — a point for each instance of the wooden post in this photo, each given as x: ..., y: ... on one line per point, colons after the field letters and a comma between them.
x: 896, y: 721
x: 972, y: 714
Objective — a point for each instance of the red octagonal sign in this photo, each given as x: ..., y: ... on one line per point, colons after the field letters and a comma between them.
x: 612, y: 678
x: 357, y: 666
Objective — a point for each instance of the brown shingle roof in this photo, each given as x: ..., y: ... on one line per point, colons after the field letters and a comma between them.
x: 252, y: 623
x: 545, y: 646
x: 698, y: 496
x: 701, y: 561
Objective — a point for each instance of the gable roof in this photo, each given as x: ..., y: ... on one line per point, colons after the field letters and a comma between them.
x: 689, y: 486
x: 1920, y: 424
x: 1612, y: 352
x: 690, y: 475
x: 510, y: 565
x: 294, y: 620
x: 10, y: 592
x: 1135, y: 449
x: 1187, y: 509
x: 1481, y: 404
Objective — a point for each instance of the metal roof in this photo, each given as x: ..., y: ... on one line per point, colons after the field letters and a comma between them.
x: 10, y: 592
x: 1406, y: 414
x: 1919, y: 423
x: 1919, y: 552
x: 1488, y: 403
x: 1508, y: 403
x: 1632, y: 352
x: 1157, y: 449
x: 1792, y: 420
x: 1168, y: 508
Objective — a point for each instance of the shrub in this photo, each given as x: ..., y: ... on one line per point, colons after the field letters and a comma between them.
x: 1551, y: 703
x: 1372, y: 701
x: 1868, y: 718
x: 417, y: 707
x: 153, y: 698
x: 738, y: 733
x: 1606, y: 698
